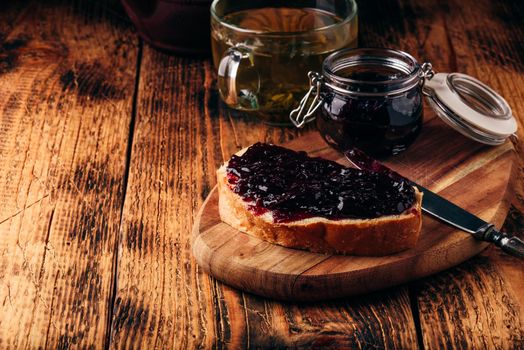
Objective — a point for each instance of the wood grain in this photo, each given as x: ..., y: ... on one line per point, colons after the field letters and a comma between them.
x: 67, y: 77
x: 470, y: 307
x: 11, y: 13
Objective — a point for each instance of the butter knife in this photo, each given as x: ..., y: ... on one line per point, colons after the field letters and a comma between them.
x: 444, y: 210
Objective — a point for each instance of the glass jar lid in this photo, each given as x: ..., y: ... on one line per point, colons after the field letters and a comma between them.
x: 470, y: 107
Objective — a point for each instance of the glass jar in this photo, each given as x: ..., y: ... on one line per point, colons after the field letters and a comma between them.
x: 371, y: 99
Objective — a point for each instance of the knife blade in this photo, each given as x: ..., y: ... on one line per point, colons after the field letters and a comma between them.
x: 444, y: 210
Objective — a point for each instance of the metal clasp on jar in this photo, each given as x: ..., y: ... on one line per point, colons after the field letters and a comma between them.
x: 426, y: 73
x: 299, y: 116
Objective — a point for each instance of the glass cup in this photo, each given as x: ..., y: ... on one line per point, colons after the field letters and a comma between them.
x: 264, y: 49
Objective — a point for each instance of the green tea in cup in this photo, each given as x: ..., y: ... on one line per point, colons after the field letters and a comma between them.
x: 263, y: 50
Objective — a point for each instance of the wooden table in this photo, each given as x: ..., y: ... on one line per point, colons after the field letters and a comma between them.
x: 108, y: 148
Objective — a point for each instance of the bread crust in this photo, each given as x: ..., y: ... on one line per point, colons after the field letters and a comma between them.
x: 374, y: 237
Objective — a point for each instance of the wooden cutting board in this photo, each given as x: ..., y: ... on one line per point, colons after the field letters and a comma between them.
x: 476, y: 177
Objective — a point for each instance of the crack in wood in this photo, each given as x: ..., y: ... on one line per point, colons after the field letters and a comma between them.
x: 24, y: 209
x: 114, y: 282
x: 412, y: 294
x: 51, y: 311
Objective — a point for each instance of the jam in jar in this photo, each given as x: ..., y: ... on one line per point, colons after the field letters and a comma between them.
x: 368, y: 98
x: 371, y: 99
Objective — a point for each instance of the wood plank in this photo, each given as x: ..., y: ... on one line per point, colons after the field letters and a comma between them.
x: 478, y: 304
x: 164, y: 299
x: 65, y: 102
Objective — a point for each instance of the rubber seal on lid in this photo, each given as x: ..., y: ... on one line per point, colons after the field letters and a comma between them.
x: 471, y: 107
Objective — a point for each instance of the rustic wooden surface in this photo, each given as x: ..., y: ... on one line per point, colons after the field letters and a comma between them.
x: 269, y: 270
x: 66, y: 96
x: 109, y: 147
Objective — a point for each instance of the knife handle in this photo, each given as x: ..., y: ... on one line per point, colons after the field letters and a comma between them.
x: 511, y: 245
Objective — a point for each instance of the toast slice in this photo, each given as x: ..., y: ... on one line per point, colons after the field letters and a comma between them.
x: 378, y: 236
